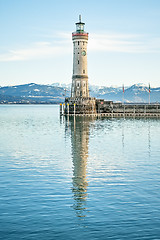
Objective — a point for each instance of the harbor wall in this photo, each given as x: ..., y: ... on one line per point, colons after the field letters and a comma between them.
x: 101, y: 107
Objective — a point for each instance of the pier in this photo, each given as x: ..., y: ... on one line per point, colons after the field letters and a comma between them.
x: 112, y: 110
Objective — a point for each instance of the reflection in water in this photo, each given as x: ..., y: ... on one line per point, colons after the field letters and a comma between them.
x: 149, y: 139
x: 79, y: 127
x: 123, y: 136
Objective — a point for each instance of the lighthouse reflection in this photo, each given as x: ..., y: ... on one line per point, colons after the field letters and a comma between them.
x: 79, y: 127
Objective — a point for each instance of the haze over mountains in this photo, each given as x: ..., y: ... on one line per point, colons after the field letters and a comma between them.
x: 55, y: 93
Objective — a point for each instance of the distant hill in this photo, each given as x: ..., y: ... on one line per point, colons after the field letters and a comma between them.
x: 32, y: 93
x: 55, y: 93
x: 136, y: 93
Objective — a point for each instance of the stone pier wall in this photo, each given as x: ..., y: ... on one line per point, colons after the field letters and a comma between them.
x: 110, y: 107
x: 100, y: 107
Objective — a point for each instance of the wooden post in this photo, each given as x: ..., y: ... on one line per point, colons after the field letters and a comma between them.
x: 74, y: 109
x: 74, y: 123
x: 68, y: 108
x: 145, y: 109
x: 61, y: 109
x: 98, y: 110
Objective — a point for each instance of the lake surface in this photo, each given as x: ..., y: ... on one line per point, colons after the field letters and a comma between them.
x: 83, y: 178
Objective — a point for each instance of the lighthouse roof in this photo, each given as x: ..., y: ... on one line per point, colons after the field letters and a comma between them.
x: 80, y: 22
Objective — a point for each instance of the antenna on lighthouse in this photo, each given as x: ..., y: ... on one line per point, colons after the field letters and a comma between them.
x: 79, y: 18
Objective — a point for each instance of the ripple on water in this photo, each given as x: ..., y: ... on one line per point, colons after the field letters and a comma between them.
x: 67, y: 179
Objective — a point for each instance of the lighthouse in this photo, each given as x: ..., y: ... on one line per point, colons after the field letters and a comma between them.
x: 80, y: 71
x: 80, y: 102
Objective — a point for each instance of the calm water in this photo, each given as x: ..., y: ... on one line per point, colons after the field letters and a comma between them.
x: 78, y: 179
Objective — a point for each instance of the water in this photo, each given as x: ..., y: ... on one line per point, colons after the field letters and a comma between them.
x: 77, y: 179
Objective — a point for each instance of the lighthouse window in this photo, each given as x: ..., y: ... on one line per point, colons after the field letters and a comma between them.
x: 83, y: 84
x: 78, y: 42
x: 78, y: 52
x: 78, y: 61
x: 83, y: 71
x: 83, y: 43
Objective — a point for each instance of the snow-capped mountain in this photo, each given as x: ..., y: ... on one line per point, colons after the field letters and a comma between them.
x: 34, y: 93
x: 135, y: 93
x: 56, y: 92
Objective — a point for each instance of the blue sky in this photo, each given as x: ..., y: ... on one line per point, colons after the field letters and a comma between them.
x: 36, y: 42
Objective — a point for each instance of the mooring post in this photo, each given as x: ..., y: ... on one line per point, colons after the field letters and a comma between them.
x: 145, y: 109
x: 134, y: 110
x: 112, y: 111
x: 74, y: 109
x: 98, y: 110
x: 74, y: 123
x: 61, y: 109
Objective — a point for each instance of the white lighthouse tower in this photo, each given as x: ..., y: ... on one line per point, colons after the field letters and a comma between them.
x: 80, y: 102
x: 80, y: 71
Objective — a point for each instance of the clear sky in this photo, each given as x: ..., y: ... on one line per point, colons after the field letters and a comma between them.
x: 36, y: 42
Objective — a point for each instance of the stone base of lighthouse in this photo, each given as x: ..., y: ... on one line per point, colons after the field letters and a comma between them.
x: 80, y: 105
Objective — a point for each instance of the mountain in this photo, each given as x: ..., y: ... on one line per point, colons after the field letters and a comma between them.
x: 136, y: 93
x: 55, y: 93
x: 33, y: 93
